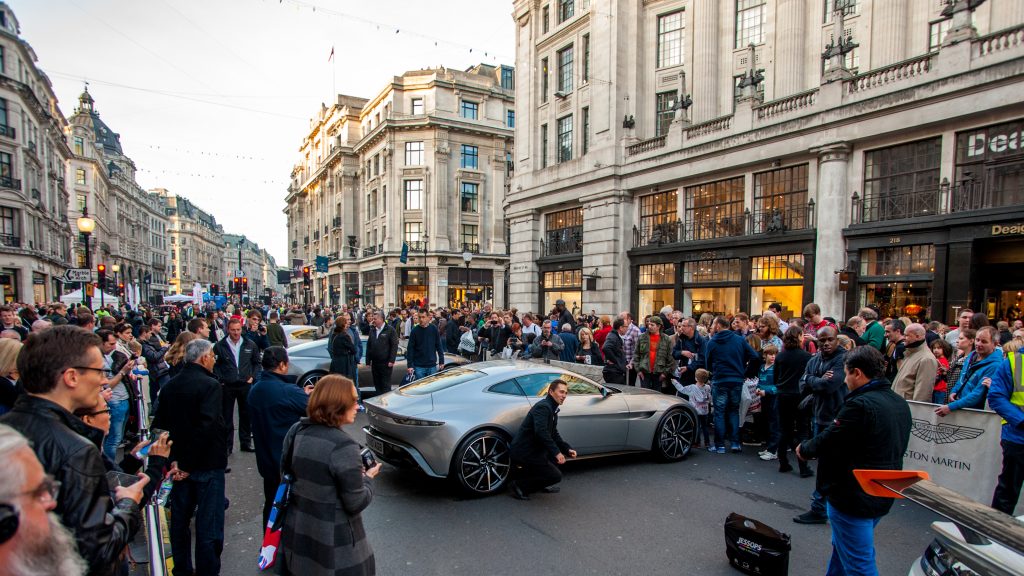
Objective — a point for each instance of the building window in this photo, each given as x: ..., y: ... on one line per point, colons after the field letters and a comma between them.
x: 564, y: 285
x: 469, y: 109
x: 585, y: 67
x: 372, y: 212
x: 413, y: 231
x: 898, y: 261
x: 657, y: 274
x: 3, y: 115
x: 777, y: 280
x: 658, y: 217
x: 565, y: 10
x: 670, y: 39
x: 780, y: 200
x: 656, y: 287
x: 750, y: 18
x: 80, y: 202
x: 376, y: 164
x: 417, y: 106
x: 79, y: 143
x: 80, y: 176
x: 470, y: 157
x: 544, y: 80
x: 8, y: 225
x: 508, y: 78
x: 665, y: 111
x: 468, y: 195
x: 898, y: 279
x: 585, y: 143
x: 510, y: 118
x: 563, y: 232
x: 565, y: 69
x: 565, y: 139
x: 413, y: 153
x: 714, y: 210
x: 723, y: 270
x: 901, y: 181
x: 543, y: 145
x: 545, y: 17
x: 469, y: 237
x: 989, y: 167
x: 851, y: 7
x: 937, y: 32
x: 413, y: 194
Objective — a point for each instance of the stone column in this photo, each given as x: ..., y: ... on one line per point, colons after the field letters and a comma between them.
x: 706, y: 69
x: 524, y: 277
x: 832, y: 201
x: 888, y: 33
x: 790, y: 37
x: 607, y: 233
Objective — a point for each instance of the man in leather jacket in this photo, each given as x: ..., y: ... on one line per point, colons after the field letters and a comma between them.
x: 237, y: 367
x: 62, y: 369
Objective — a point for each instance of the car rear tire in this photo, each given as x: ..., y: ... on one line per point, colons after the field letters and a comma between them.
x: 675, y: 436
x: 482, y: 463
x: 310, y: 378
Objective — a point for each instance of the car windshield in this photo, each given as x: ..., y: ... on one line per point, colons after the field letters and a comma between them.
x: 440, y: 381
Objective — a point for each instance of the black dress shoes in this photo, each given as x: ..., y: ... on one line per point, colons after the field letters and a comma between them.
x: 248, y: 448
x: 551, y: 490
x: 517, y: 492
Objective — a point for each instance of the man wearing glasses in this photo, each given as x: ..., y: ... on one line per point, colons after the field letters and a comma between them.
x: 32, y: 540
x: 62, y: 370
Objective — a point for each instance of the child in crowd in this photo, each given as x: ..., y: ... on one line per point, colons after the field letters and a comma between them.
x: 768, y: 392
x: 943, y: 352
x: 700, y: 397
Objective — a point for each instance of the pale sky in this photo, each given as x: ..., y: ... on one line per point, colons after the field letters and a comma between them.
x: 213, y: 97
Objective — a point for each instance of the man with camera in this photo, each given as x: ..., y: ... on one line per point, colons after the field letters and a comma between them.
x: 255, y: 331
x: 549, y: 346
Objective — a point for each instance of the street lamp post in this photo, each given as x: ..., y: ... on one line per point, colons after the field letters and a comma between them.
x: 116, y: 268
x: 468, y: 257
x: 426, y: 270
x: 86, y: 225
x: 241, y: 241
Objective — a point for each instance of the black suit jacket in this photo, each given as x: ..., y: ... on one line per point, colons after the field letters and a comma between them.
x: 614, y: 354
x: 383, y: 349
x: 190, y: 409
x: 538, y: 439
x: 248, y: 362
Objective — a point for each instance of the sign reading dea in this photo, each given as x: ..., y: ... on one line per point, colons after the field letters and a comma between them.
x: 960, y: 451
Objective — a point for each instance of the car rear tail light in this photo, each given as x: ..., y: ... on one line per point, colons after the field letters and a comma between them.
x: 415, y: 421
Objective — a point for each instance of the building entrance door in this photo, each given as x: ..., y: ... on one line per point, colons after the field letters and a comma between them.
x: 1001, y: 278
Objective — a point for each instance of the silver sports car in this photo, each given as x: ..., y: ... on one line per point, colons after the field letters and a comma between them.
x: 459, y: 423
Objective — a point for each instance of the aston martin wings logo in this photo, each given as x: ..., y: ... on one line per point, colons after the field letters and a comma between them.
x: 943, y: 433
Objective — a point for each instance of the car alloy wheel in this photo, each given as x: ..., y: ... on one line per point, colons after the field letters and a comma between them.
x: 311, y: 378
x: 483, y: 462
x: 675, y: 435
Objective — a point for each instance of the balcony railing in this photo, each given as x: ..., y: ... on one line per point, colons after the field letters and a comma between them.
x: 10, y: 241
x: 369, y: 251
x: 333, y: 257
x: 563, y: 245
x: 760, y: 222
x: 336, y: 222
x: 295, y: 244
x: 472, y: 248
x: 305, y: 240
x: 417, y: 245
x: 10, y: 183
x: 945, y: 199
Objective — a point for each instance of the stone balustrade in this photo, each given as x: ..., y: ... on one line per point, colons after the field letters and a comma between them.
x: 998, y: 41
x: 910, y: 68
x: 645, y: 146
x: 711, y: 126
x: 788, y: 104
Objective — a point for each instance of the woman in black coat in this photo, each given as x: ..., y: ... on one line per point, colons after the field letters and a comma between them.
x: 342, y: 349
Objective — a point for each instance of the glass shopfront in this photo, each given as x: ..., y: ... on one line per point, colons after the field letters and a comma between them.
x: 565, y: 285
x: 352, y: 288
x: 9, y: 284
x: 711, y: 286
x: 656, y: 288
x: 473, y: 286
x: 898, y: 280
x: 412, y: 289
x: 373, y: 287
x: 777, y: 279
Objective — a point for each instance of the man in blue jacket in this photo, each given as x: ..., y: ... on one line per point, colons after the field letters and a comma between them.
x: 726, y: 355
x: 275, y: 403
x: 983, y: 362
x: 1006, y: 397
x: 423, y: 352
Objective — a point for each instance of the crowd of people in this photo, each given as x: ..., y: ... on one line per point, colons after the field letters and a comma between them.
x: 76, y: 386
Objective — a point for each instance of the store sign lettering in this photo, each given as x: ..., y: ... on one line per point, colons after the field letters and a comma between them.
x: 1007, y: 230
x: 997, y: 143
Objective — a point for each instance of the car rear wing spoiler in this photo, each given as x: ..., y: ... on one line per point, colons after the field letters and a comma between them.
x: 971, y: 518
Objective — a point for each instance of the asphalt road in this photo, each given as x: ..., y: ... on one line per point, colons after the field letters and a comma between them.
x: 623, y: 515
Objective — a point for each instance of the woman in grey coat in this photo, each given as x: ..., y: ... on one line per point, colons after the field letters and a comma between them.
x: 323, y: 531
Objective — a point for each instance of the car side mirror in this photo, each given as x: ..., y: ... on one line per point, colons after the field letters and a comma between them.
x: 604, y: 392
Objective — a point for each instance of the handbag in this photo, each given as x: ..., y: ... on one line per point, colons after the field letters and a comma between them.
x: 271, y: 544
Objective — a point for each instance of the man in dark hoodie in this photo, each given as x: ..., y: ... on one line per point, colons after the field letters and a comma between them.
x: 726, y: 356
x: 824, y: 378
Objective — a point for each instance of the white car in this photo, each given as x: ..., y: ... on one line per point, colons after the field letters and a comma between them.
x: 956, y: 554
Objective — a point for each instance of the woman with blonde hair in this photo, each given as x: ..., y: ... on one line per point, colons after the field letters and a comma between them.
x: 175, y: 356
x: 589, y: 351
x: 323, y: 530
x: 9, y: 376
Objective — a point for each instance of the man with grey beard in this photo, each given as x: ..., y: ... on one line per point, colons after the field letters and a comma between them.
x: 32, y: 540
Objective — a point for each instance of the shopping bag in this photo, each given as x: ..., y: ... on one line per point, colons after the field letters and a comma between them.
x: 756, y: 548
x: 272, y: 533
x: 408, y: 379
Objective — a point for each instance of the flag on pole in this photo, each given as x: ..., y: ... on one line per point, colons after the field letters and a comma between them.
x: 331, y: 57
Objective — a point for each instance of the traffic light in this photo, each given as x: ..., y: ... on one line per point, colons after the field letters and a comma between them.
x: 214, y: 289
x: 236, y: 285
x: 101, y: 274
x: 245, y: 283
x: 305, y: 276
x: 120, y: 289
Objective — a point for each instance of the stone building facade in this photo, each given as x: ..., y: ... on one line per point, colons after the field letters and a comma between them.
x: 258, y: 266
x: 196, y: 243
x: 421, y: 168
x: 721, y: 156
x: 131, y: 224
x: 35, y: 234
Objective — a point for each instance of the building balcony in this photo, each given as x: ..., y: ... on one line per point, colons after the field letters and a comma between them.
x: 417, y: 245
x: 369, y: 251
x: 471, y: 248
x: 769, y: 221
x: 563, y: 244
x: 945, y: 199
x: 305, y: 241
x: 295, y: 244
x: 10, y: 183
x: 10, y: 241
x: 7, y: 131
x: 336, y: 222
x: 316, y: 235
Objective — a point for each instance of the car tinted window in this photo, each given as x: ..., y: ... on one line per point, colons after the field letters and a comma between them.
x: 536, y: 384
x: 440, y: 381
x: 507, y: 387
x: 578, y: 386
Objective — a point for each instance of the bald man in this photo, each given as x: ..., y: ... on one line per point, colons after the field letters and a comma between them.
x: 915, y: 379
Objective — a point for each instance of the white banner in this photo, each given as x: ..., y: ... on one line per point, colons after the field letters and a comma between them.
x: 960, y: 451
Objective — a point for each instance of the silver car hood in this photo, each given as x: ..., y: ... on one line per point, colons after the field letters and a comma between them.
x: 402, y: 404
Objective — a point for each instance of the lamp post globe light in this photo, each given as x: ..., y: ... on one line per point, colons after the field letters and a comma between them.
x: 116, y: 268
x: 86, y: 225
x: 468, y: 257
